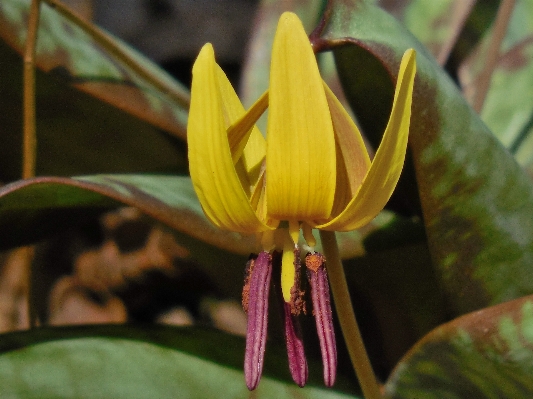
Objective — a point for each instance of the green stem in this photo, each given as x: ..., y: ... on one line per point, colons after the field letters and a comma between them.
x: 349, y: 327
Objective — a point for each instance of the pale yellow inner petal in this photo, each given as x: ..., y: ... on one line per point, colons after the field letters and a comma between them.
x: 243, y: 126
x: 253, y: 156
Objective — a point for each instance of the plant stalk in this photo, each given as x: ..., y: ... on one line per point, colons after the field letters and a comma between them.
x: 346, y: 315
x: 500, y: 29
x: 29, y: 146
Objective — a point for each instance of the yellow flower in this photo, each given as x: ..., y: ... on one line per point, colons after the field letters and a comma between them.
x: 317, y: 172
x: 312, y: 171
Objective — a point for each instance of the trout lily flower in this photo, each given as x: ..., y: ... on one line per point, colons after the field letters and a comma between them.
x: 312, y: 171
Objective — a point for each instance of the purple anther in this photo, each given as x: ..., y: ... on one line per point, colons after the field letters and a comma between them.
x: 256, y: 333
x: 295, y: 347
x: 318, y: 280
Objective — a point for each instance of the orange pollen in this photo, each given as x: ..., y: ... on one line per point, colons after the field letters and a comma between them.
x: 246, y: 288
x: 315, y: 261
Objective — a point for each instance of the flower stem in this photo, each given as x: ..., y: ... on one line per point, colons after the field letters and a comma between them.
x: 349, y: 327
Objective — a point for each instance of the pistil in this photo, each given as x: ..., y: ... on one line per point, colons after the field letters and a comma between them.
x: 293, y: 333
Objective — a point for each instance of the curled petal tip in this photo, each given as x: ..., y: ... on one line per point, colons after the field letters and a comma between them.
x: 382, y: 177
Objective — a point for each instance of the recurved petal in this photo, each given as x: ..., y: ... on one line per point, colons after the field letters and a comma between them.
x: 387, y: 165
x: 300, y: 162
x: 210, y: 160
x: 353, y: 161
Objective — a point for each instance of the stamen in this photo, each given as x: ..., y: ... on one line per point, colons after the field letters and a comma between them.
x: 295, y: 347
x: 308, y: 236
x: 267, y: 240
x: 314, y: 261
x: 297, y: 303
x: 318, y: 279
x: 257, y: 319
x: 294, y: 231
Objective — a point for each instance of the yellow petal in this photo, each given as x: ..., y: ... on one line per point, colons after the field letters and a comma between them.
x: 246, y: 142
x: 212, y: 170
x: 387, y: 165
x: 243, y: 126
x: 255, y: 150
x: 300, y: 161
x: 353, y: 161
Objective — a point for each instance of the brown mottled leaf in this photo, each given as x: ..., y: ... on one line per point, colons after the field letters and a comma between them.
x: 35, y: 209
x: 68, y: 50
x: 77, y: 132
x: 485, y: 354
x: 476, y: 200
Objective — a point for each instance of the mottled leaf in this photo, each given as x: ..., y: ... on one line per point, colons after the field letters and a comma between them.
x: 168, y: 199
x: 486, y: 354
x: 76, y: 132
x: 35, y: 209
x: 476, y: 199
x: 68, y: 49
x: 134, y: 362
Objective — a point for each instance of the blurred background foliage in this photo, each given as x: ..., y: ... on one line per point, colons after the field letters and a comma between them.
x: 441, y: 281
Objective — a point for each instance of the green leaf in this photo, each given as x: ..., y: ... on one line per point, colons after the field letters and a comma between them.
x: 476, y: 199
x: 486, y: 354
x: 168, y: 199
x: 96, y: 112
x: 436, y: 23
x: 134, y: 362
x: 35, y: 209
